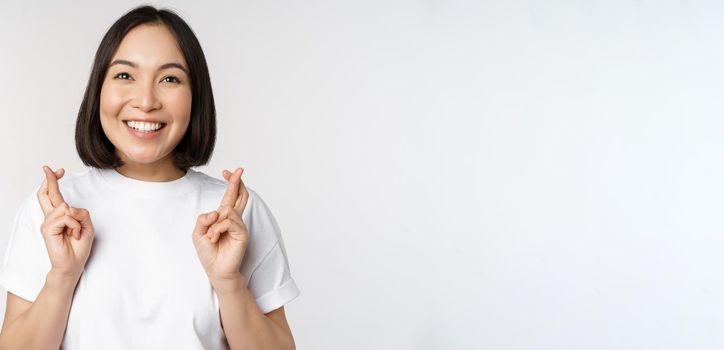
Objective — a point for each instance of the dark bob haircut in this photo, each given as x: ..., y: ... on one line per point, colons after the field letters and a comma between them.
x: 197, y: 145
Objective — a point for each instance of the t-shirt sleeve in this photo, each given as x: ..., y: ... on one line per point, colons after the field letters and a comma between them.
x: 25, y: 263
x: 270, y: 280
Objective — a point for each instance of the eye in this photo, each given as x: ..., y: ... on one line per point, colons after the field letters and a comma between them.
x: 122, y: 73
x: 174, y: 79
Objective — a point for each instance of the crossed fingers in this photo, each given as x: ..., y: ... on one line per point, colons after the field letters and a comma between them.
x: 236, y: 195
x: 49, y: 194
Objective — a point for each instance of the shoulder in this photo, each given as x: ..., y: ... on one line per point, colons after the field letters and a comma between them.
x: 71, y: 183
x: 218, y: 186
x: 73, y: 180
x: 256, y: 212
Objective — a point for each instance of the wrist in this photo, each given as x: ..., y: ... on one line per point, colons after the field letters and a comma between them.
x: 229, y: 284
x: 62, y: 279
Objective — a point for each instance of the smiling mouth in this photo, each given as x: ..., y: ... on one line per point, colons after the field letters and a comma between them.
x: 144, y: 127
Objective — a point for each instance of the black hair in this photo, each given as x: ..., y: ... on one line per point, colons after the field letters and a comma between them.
x: 197, y: 145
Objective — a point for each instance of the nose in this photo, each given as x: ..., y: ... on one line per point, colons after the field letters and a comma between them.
x: 145, y: 98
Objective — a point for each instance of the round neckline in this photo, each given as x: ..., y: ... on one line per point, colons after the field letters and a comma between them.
x: 143, y: 188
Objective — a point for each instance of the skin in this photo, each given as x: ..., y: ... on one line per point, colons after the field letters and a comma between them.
x: 220, y: 237
x: 146, y: 91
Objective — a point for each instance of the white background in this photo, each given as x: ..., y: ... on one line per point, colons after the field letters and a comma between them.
x: 446, y: 174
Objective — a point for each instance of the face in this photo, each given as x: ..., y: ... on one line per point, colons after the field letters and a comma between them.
x: 147, y: 86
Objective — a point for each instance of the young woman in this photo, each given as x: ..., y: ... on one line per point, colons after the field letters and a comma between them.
x: 139, y: 251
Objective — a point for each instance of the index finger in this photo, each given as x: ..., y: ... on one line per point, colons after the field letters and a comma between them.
x: 53, y: 192
x: 232, y: 191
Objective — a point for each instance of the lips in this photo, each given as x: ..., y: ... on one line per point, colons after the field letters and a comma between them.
x: 143, y: 120
x: 142, y: 134
x: 128, y: 123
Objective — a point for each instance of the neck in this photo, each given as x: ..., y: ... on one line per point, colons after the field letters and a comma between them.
x: 161, y: 171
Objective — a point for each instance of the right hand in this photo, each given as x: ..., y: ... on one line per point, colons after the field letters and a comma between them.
x: 67, y: 231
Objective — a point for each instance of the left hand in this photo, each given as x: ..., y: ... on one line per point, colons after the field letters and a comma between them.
x: 220, y: 236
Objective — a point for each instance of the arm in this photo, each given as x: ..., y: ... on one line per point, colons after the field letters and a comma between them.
x: 42, y: 325
x: 245, y: 326
x: 68, y: 236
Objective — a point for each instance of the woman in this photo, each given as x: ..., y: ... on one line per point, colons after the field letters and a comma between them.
x: 140, y: 251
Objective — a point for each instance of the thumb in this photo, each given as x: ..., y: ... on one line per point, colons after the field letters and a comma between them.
x: 81, y: 215
x: 204, y: 221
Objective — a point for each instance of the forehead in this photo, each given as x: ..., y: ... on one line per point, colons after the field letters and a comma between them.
x: 149, y: 45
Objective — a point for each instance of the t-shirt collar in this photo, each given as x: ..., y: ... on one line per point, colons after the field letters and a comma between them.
x: 142, y: 188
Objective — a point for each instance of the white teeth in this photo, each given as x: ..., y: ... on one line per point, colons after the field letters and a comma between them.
x: 143, y: 126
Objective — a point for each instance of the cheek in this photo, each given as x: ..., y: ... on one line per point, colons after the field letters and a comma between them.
x: 111, y: 101
x: 179, y: 104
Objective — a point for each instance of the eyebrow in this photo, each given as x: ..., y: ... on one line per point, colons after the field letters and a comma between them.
x: 162, y: 67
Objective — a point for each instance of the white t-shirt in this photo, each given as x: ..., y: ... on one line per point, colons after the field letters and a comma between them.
x: 143, y: 286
